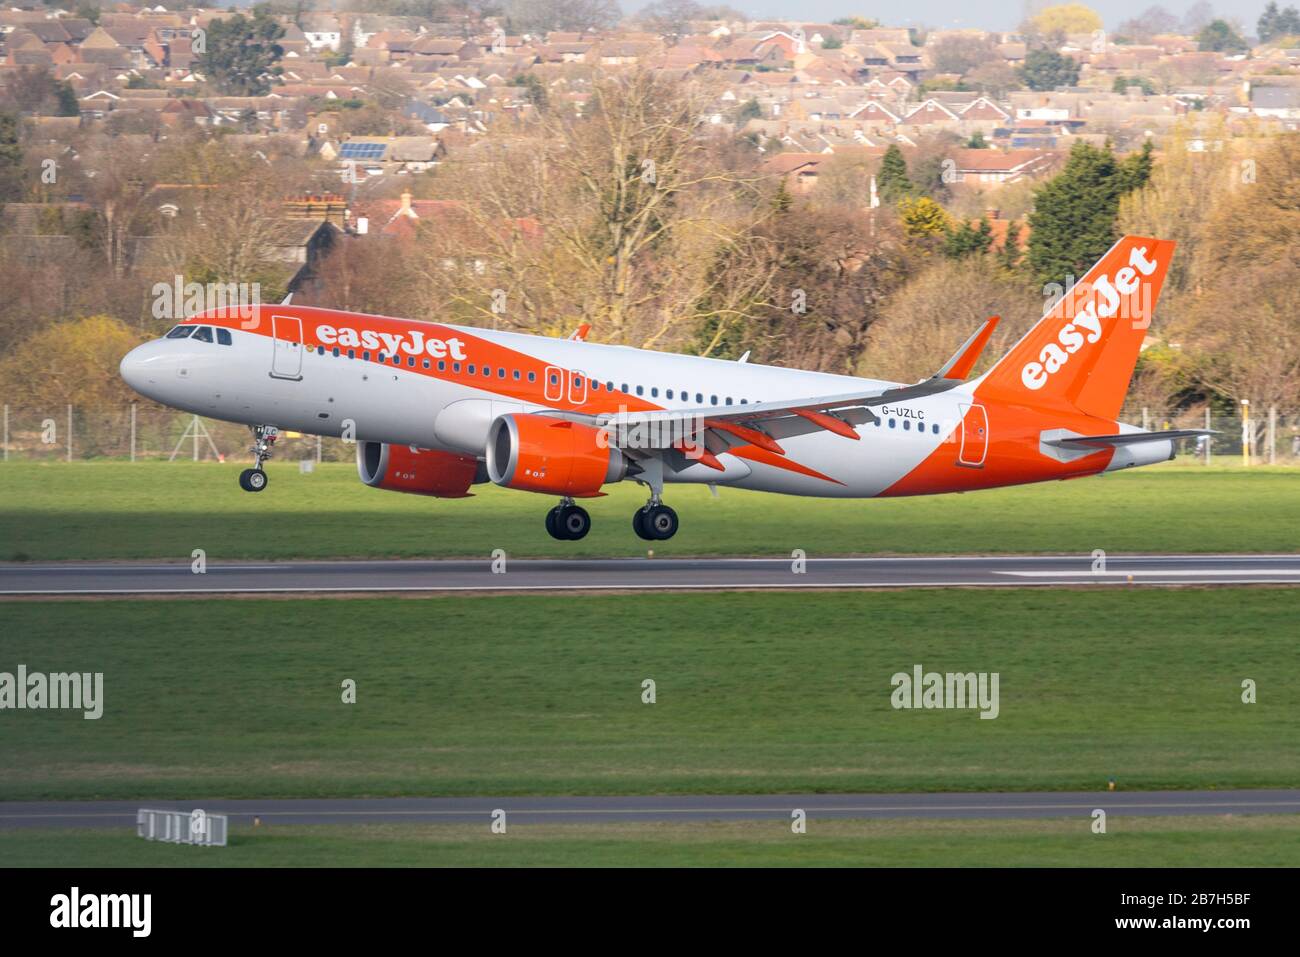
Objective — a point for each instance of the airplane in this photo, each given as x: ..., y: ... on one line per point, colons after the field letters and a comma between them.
x: 437, y: 409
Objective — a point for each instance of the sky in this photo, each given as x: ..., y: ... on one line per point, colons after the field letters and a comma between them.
x: 992, y: 15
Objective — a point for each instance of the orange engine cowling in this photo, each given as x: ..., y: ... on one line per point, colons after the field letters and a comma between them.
x: 538, y: 453
x: 401, y: 468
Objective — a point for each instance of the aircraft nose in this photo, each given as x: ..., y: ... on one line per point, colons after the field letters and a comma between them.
x: 143, y: 366
x: 132, y: 368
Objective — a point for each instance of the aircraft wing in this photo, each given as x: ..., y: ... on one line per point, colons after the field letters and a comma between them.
x: 762, y: 423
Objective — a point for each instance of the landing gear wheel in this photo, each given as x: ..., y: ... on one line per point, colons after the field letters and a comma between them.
x: 573, y: 522
x: 659, y: 521
x: 654, y: 523
x: 568, y: 522
x: 252, y: 480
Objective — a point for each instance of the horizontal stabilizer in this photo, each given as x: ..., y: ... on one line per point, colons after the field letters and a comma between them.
x: 1127, y: 438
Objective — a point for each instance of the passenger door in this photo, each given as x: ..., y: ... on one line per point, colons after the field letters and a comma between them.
x: 286, y: 355
x: 974, y: 435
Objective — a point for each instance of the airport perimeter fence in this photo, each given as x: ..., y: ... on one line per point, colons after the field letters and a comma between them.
x: 139, y: 433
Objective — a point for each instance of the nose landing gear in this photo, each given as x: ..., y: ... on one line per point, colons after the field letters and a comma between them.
x: 568, y: 522
x: 254, y: 479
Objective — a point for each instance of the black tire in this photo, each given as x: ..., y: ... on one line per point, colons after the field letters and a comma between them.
x: 638, y: 525
x: 660, y: 522
x: 552, y: 523
x: 252, y: 480
x: 573, y: 522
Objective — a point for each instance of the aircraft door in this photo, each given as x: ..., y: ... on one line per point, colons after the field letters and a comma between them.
x: 286, y: 355
x: 974, y: 436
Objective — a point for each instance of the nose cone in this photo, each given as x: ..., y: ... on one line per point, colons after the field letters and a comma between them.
x: 132, y: 368
x: 141, y: 368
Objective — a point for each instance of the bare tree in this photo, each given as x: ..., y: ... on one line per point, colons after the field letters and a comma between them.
x: 613, y: 217
x: 925, y: 322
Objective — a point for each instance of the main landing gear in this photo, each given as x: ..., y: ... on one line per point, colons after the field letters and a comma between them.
x: 654, y: 521
x: 254, y: 479
x: 568, y: 522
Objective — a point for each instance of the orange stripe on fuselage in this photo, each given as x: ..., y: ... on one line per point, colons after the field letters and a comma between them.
x: 479, y: 352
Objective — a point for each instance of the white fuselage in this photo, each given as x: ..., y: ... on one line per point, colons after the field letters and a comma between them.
x: 257, y: 379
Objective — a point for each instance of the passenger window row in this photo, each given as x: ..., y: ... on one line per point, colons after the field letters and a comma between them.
x: 682, y: 395
x: 470, y: 369
x: 500, y: 372
x: 907, y: 425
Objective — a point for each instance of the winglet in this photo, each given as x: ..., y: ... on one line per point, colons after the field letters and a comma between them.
x: 580, y: 334
x: 964, y: 359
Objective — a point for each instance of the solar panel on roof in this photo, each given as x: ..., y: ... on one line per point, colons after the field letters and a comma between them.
x: 362, y: 150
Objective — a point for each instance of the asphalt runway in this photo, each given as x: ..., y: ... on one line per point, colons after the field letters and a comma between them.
x: 590, y: 810
x: 524, y: 575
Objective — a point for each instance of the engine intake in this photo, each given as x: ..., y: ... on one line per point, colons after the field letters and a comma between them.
x: 402, y: 468
x: 538, y: 453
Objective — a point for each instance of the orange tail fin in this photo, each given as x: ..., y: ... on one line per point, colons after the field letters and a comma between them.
x: 1084, y: 350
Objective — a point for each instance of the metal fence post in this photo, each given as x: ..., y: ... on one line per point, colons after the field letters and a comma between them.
x: 1209, y: 439
x: 1272, y: 435
x: 69, y: 432
x: 6, y: 441
x: 1247, y: 437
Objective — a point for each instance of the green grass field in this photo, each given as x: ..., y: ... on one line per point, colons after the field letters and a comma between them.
x: 105, y: 510
x: 1253, y: 841
x: 765, y: 692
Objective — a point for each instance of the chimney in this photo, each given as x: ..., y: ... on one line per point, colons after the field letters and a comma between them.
x: 406, y: 203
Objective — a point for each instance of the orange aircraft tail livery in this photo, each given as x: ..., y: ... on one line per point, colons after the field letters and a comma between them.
x: 1084, y: 350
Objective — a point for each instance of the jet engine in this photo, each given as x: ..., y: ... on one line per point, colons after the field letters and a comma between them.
x: 538, y: 453
x: 403, y: 468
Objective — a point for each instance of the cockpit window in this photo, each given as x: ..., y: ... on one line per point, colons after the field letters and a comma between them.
x: 223, y: 337
x: 203, y: 333
x: 180, y: 332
